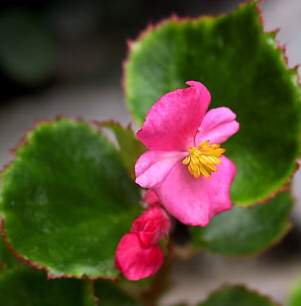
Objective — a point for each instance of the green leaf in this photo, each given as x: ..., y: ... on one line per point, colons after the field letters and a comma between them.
x: 67, y: 200
x: 236, y: 295
x: 294, y: 298
x: 244, y: 231
x: 7, y: 259
x: 30, y: 287
x: 244, y: 70
x: 130, y: 148
x: 109, y: 294
x: 27, y: 50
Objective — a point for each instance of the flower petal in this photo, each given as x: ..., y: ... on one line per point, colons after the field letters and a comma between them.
x: 152, y: 225
x: 217, y: 126
x: 172, y: 122
x: 150, y: 198
x: 152, y: 166
x: 195, y: 201
x: 134, y: 260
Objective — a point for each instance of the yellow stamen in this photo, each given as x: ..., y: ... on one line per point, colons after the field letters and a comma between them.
x: 202, y: 159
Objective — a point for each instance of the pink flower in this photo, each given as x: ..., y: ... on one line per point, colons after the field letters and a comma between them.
x: 184, y: 165
x: 151, y: 226
x: 135, y: 260
x: 138, y: 255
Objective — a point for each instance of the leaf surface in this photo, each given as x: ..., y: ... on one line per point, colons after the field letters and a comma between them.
x: 67, y: 200
x: 244, y: 231
x: 28, y: 286
x: 130, y: 148
x: 245, y: 70
x: 237, y: 295
x: 109, y: 294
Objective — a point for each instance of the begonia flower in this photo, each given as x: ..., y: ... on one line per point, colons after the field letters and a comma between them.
x: 184, y: 164
x: 135, y: 260
x: 152, y: 225
x: 138, y: 255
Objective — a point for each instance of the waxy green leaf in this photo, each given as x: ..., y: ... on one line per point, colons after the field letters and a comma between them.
x: 130, y: 148
x: 244, y: 231
x: 28, y: 286
x: 236, y: 295
x: 245, y: 70
x: 7, y: 259
x: 67, y: 200
x: 109, y: 294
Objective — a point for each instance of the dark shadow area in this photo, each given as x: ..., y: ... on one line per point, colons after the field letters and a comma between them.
x: 78, y: 41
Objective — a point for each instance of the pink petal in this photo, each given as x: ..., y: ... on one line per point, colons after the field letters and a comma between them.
x: 151, y: 226
x: 152, y: 166
x: 195, y: 201
x: 217, y: 126
x: 172, y: 122
x: 150, y: 198
x: 134, y: 260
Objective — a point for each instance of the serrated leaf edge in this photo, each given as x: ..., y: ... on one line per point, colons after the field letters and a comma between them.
x: 24, y: 141
x: 277, y: 240
x: 282, y: 48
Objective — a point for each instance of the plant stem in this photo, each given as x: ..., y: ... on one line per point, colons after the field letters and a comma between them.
x: 161, y: 279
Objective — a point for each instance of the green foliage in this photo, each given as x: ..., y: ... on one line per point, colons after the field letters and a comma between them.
x: 109, y: 294
x: 69, y: 196
x: 244, y: 70
x: 244, y: 231
x: 7, y: 260
x: 130, y: 148
x: 67, y: 200
x: 237, y: 295
x: 30, y: 287
x: 27, y: 50
x: 294, y: 298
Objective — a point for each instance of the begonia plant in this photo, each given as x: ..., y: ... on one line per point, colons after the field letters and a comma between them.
x: 90, y: 221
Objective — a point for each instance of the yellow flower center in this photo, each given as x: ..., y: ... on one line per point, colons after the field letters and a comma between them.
x: 202, y: 160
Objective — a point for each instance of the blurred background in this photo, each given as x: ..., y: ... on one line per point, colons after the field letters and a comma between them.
x: 65, y: 58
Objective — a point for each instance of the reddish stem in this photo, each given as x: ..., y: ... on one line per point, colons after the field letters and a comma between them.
x: 161, y: 279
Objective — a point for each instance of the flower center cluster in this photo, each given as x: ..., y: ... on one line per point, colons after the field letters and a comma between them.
x: 202, y: 160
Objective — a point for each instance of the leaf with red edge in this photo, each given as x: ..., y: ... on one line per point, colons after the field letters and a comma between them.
x: 7, y: 259
x: 28, y: 286
x: 130, y: 148
x: 245, y: 70
x: 245, y: 231
x: 67, y: 200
